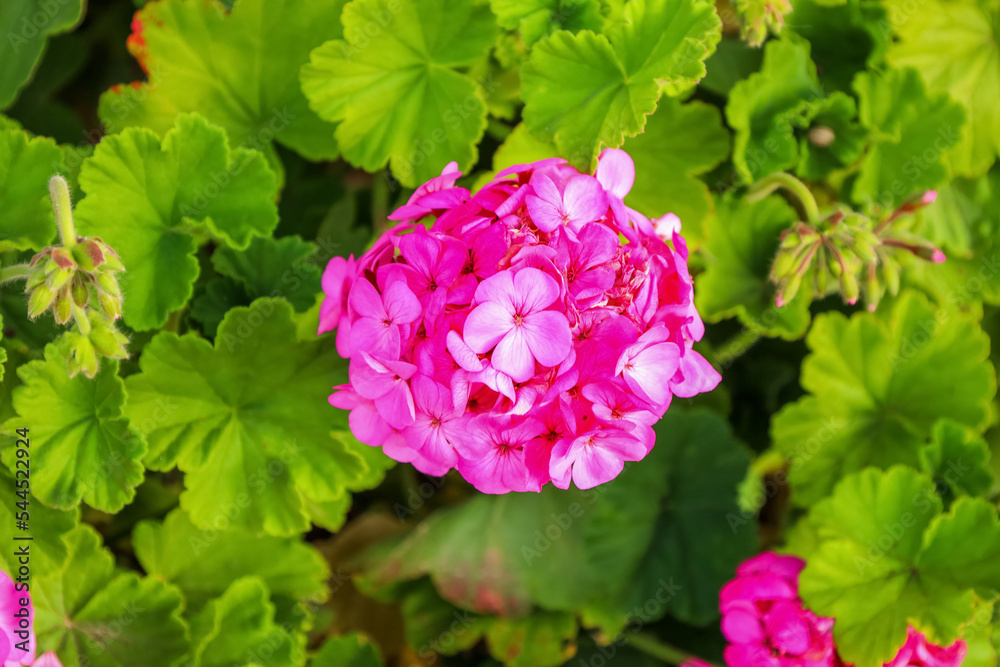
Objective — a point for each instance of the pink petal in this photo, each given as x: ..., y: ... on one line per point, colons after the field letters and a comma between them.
x: 534, y: 290
x: 401, y: 304
x: 741, y: 624
x: 697, y: 376
x: 596, y: 466
x: 513, y: 357
x: 368, y: 426
x: 788, y: 628
x: 547, y: 336
x: 366, y: 301
x: 462, y: 353
x: 547, y: 216
x: 616, y: 171
x: 498, y: 288
x: 486, y: 325
x: 48, y: 659
x: 396, y: 407
x: 585, y: 199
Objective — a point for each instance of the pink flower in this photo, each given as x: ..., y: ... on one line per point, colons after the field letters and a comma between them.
x: 17, y: 632
x: 377, y: 329
x: 593, y: 458
x: 765, y: 622
x: 512, y: 317
x: 517, y: 338
x: 582, y: 200
x: 492, y: 453
x: 918, y: 652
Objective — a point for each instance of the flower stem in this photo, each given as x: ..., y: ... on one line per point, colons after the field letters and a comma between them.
x: 62, y: 206
x: 772, y: 182
x: 734, y: 348
x: 656, y: 648
x: 14, y: 272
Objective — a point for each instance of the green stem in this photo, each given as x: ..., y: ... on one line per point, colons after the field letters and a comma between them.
x: 62, y: 206
x: 82, y: 321
x: 14, y: 272
x: 772, y: 182
x: 734, y: 348
x: 656, y: 648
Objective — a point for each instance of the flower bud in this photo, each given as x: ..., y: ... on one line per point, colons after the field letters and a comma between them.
x: 84, y: 358
x: 88, y: 255
x: 790, y: 240
x: 849, y: 285
x: 59, y: 278
x: 63, y: 258
x: 108, y: 343
x: 789, y: 290
x: 112, y: 307
x: 40, y: 300
x: 108, y: 284
x: 80, y: 291
x: 64, y: 307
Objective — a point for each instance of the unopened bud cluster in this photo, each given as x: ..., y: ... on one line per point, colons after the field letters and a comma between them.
x: 848, y: 252
x: 78, y: 280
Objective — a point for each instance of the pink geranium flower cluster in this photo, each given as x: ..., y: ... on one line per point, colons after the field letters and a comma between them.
x: 534, y: 332
x: 17, y: 635
x: 767, y: 625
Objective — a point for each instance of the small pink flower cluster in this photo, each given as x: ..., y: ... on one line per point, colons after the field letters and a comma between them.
x: 767, y: 625
x: 534, y: 332
x: 16, y: 628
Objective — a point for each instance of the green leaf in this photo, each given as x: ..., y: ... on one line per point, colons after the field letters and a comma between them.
x: 26, y: 26
x: 544, y: 639
x: 82, y: 448
x: 890, y: 559
x: 203, y: 563
x: 46, y: 528
x: 741, y: 241
x: 911, y: 132
x: 239, y: 69
x: 220, y: 295
x: 679, y: 508
x: 836, y: 114
x: 347, y: 651
x: 274, y: 267
x: 679, y: 142
x: 762, y: 108
x: 238, y: 629
x: 954, y: 46
x: 395, y: 88
x: 247, y: 420
x: 959, y: 462
x: 90, y: 615
x: 153, y: 202
x: 588, y: 90
x: 877, y: 384
x: 434, y: 624
x: 535, y: 19
x: 25, y: 168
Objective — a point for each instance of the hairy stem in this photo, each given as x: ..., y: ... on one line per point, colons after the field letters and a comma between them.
x: 772, y: 182
x: 657, y: 649
x: 14, y: 272
x: 62, y: 206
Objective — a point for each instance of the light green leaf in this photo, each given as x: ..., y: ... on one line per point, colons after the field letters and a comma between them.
x: 762, y: 108
x: 203, y: 563
x: 910, y: 131
x: 954, y: 46
x: 877, y: 384
x: 958, y: 461
x: 892, y: 560
x: 238, y: 629
x: 26, y: 26
x: 240, y: 69
x: 679, y: 142
x: 90, y: 615
x: 347, y: 651
x: 25, y: 168
x: 588, y: 90
x: 395, y: 88
x: 535, y: 19
x: 82, y: 448
x: 274, y: 267
x: 741, y: 241
x: 247, y: 419
x: 152, y: 202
